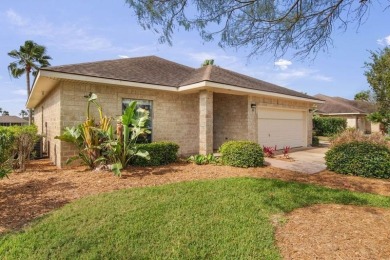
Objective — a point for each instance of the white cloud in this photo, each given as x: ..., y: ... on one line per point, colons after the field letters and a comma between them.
x: 283, y: 64
x: 219, y: 59
x: 67, y: 36
x: 123, y: 56
x: 384, y: 41
x: 15, y: 18
x: 301, y: 74
x: 20, y: 92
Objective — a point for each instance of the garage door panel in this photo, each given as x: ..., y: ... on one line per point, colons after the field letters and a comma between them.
x: 281, y: 128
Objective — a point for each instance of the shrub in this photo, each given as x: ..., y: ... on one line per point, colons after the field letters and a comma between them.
x: 161, y: 153
x: 6, y: 143
x: 315, y: 141
x: 352, y: 135
x: 328, y: 126
x: 242, y: 154
x: 360, y: 158
x: 16, y: 145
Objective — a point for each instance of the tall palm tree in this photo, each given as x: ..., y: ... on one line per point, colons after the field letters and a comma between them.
x: 29, y: 58
x: 1, y: 110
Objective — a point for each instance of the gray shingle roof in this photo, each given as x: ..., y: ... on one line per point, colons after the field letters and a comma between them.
x: 338, y: 105
x: 12, y: 120
x: 158, y: 71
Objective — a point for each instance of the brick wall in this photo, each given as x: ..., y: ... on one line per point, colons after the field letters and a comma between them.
x: 230, y: 118
x: 47, y: 113
x: 175, y: 116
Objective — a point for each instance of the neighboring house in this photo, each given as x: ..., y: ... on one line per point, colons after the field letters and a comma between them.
x: 198, y: 108
x: 355, y: 111
x: 12, y: 120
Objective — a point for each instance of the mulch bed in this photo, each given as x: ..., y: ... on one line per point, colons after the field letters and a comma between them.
x: 43, y: 187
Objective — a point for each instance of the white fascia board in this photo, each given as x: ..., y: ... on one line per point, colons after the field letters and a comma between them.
x: 210, y: 84
x: 60, y: 75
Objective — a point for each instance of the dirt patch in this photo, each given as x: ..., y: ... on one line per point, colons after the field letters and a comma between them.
x: 335, y: 232
x: 43, y: 187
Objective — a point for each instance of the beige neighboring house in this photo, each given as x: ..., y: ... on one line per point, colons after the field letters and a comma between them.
x: 12, y: 120
x: 198, y: 108
x: 355, y: 111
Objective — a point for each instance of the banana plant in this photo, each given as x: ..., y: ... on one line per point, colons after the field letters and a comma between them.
x: 130, y: 125
x: 89, y: 136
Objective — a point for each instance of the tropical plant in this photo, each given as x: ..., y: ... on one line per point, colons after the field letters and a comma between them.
x: 120, y: 150
x: 286, y: 151
x: 97, y: 144
x: 269, y: 151
x: 89, y: 136
x: 201, y: 159
x: 29, y: 58
x: 5, y: 113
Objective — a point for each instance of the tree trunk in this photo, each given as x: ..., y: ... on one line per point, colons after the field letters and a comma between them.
x: 28, y: 94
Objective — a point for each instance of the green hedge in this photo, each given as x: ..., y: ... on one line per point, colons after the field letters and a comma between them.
x: 15, y: 142
x: 161, y: 153
x: 360, y: 159
x: 242, y: 154
x: 315, y: 141
x: 328, y: 126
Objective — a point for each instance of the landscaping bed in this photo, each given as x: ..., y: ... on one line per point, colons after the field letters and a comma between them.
x: 42, y: 188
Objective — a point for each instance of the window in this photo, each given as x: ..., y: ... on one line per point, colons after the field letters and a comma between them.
x: 147, y: 105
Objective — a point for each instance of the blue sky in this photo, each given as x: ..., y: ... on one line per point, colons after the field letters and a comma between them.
x: 91, y: 30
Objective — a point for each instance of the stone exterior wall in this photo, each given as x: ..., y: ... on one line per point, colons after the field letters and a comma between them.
x: 230, y: 118
x: 47, y: 119
x: 175, y: 116
x: 199, y: 122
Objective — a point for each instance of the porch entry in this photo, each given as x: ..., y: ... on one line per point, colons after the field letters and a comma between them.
x: 281, y: 127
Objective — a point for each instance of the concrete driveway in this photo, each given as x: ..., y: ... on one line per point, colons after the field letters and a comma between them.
x: 309, y: 160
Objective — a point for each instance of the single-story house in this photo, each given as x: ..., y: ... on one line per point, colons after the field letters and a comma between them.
x: 198, y: 108
x: 12, y: 120
x: 355, y: 111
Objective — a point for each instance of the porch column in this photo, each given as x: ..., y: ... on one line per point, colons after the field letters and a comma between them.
x: 205, y: 122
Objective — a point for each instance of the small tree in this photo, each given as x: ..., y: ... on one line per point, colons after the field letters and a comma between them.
x: 378, y: 76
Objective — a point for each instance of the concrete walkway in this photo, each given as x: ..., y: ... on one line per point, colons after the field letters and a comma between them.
x: 310, y: 160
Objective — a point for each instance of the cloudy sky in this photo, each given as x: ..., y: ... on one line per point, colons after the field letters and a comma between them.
x: 91, y: 30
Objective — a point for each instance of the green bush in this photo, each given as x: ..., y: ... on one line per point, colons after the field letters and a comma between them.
x: 201, y: 159
x: 360, y: 158
x: 328, y: 126
x: 242, y: 154
x: 315, y: 141
x: 16, y: 145
x: 6, y: 145
x: 161, y: 153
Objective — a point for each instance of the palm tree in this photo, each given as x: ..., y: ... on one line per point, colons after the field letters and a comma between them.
x: 5, y: 113
x: 1, y: 110
x: 29, y: 58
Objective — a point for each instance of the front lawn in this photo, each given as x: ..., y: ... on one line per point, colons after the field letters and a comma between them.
x: 221, y: 219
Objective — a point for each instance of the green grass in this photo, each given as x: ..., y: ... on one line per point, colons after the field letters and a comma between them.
x: 219, y: 219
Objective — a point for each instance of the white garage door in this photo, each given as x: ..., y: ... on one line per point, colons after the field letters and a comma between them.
x: 281, y: 127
